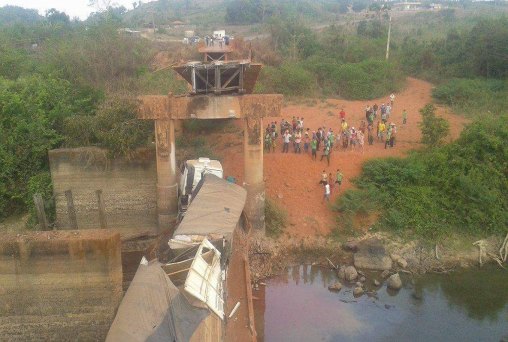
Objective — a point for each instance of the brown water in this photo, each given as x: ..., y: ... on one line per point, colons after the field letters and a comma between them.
x: 467, y: 306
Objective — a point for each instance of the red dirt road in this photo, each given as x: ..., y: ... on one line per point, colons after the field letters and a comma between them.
x: 292, y: 179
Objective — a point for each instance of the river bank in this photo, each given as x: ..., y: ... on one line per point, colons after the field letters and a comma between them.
x: 377, y: 251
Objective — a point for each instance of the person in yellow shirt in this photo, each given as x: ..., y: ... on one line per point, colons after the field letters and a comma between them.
x: 381, y: 129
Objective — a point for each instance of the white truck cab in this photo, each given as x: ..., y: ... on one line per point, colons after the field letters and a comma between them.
x: 191, y: 173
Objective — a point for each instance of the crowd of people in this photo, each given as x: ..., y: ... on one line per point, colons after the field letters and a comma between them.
x: 211, y: 41
x: 294, y: 136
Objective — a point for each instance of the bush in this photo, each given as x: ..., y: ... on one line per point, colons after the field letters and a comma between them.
x: 275, y: 219
x: 471, y: 96
x: 289, y: 79
x: 434, y: 129
x: 114, y: 126
x: 367, y: 80
x: 31, y: 110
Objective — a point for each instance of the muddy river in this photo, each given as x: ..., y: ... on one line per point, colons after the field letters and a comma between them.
x: 464, y: 306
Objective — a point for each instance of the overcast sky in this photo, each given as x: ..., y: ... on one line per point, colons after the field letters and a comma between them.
x: 73, y: 8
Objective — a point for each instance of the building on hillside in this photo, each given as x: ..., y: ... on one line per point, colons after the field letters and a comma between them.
x: 407, y: 6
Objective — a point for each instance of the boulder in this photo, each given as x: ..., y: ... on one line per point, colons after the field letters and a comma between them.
x: 376, y: 282
x: 402, y: 262
x: 363, y: 279
x: 350, y: 246
x: 385, y: 274
x: 358, y: 291
x: 394, y: 282
x: 335, y: 287
x: 394, y: 257
x: 350, y: 273
x: 372, y: 255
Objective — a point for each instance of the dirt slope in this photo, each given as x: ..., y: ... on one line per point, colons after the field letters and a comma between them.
x: 292, y: 180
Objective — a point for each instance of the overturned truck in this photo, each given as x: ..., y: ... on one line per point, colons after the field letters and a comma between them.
x: 184, y: 299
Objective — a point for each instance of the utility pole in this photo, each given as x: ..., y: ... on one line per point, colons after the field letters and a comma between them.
x: 388, y: 41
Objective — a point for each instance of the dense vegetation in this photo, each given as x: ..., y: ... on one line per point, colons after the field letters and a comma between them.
x: 473, y: 97
x: 336, y: 62
x: 66, y: 84
x: 479, y: 52
x: 458, y: 187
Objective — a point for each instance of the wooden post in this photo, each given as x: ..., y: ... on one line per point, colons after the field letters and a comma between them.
x: 71, y: 210
x: 41, y: 214
x: 250, y: 305
x: 102, y: 209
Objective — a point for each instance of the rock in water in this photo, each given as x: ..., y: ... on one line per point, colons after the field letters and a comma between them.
x: 372, y: 255
x: 402, y: 262
x: 335, y: 287
x: 358, y: 291
x: 350, y: 273
x: 394, y: 282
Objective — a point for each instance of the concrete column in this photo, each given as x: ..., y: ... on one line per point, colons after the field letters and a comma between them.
x: 167, y: 205
x: 253, y: 173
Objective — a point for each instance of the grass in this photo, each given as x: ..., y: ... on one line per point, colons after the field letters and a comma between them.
x: 276, y: 219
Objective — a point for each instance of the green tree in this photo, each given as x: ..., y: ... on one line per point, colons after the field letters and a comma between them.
x: 434, y: 129
x: 55, y: 17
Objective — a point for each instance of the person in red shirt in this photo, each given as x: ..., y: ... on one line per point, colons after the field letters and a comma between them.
x: 342, y: 114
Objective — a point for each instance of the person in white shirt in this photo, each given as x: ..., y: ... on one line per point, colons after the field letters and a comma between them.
x: 326, y: 196
x: 287, y: 138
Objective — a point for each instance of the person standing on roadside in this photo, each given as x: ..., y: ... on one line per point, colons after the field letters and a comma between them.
x: 319, y: 137
x: 274, y: 140
x: 326, y: 153
x: 388, y: 137
x: 286, y: 138
x: 313, y: 147
x: 326, y: 195
x: 306, y: 141
x: 324, y: 178
x: 404, y: 117
x: 298, y: 140
x: 268, y: 142
x: 392, y: 99
x: 338, y: 179
x: 342, y: 114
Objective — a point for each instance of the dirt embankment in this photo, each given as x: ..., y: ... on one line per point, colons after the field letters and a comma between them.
x: 292, y: 179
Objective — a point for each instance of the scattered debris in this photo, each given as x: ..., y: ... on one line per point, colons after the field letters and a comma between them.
x: 234, y: 309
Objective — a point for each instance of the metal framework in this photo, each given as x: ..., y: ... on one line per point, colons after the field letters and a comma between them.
x: 217, y: 77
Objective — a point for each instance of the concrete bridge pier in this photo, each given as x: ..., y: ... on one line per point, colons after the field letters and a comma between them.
x: 253, y: 173
x: 167, y: 186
